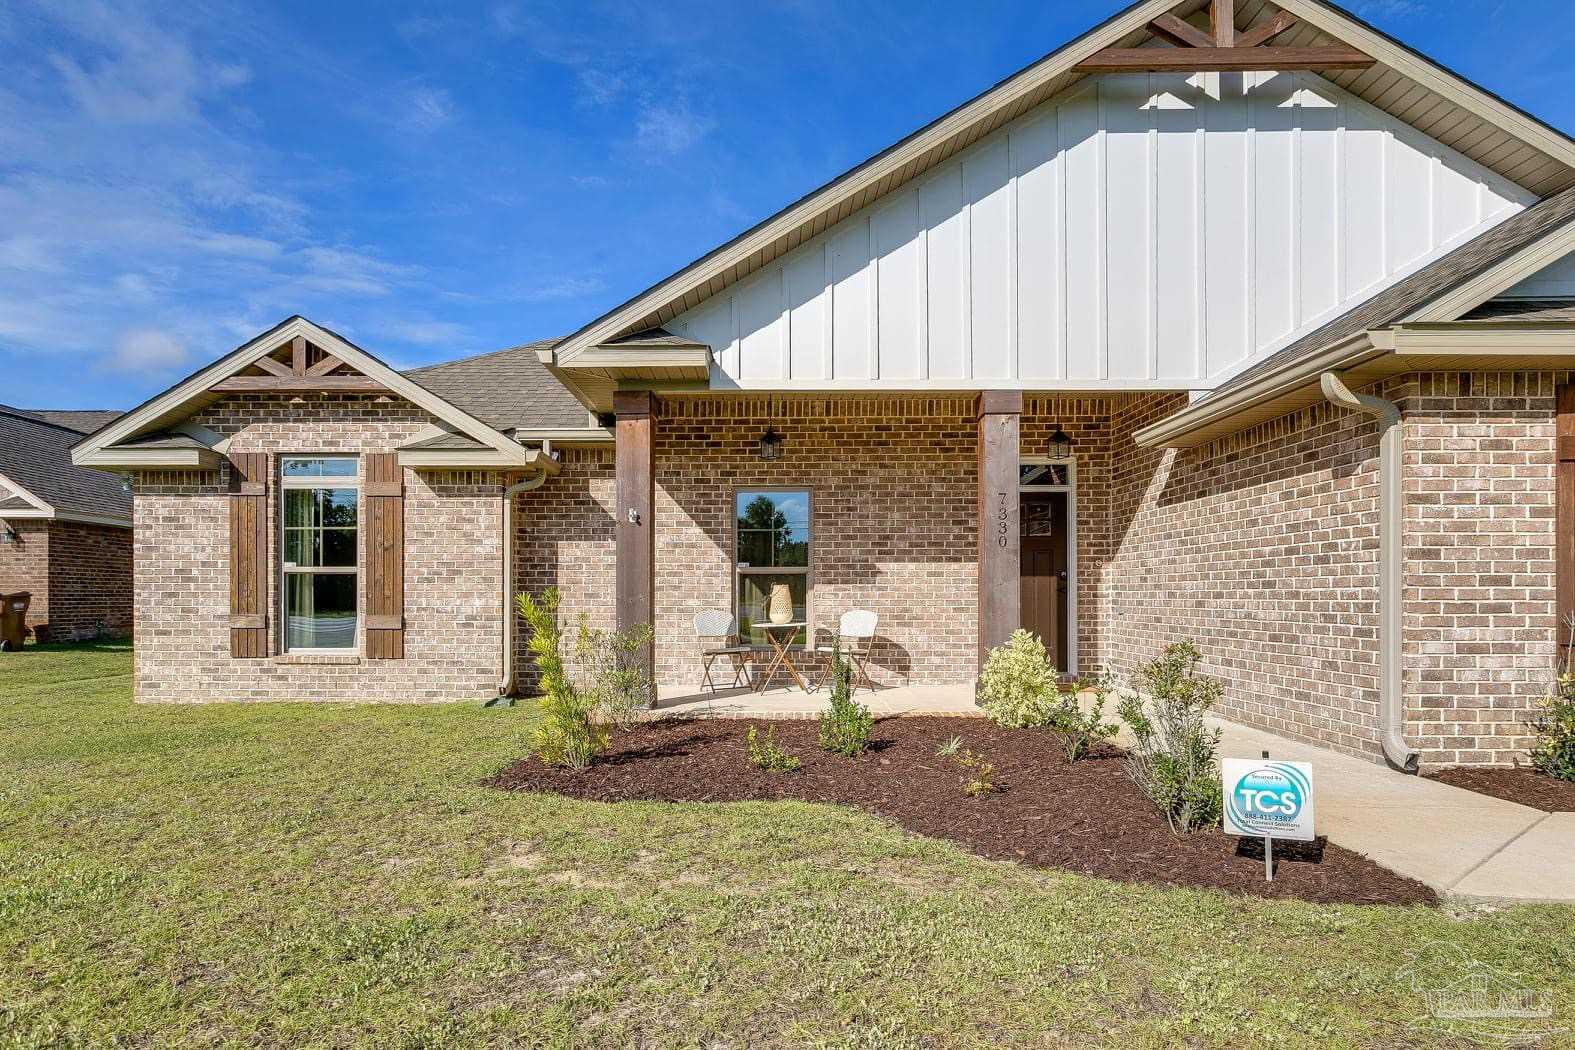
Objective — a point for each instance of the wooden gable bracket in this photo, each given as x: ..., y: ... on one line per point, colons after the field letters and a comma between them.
x: 1221, y: 49
x: 299, y: 376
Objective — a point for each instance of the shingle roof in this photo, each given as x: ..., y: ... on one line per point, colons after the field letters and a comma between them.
x: 506, y: 389
x: 1541, y: 310
x: 444, y: 441
x: 37, y: 456
x: 82, y: 420
x: 1431, y: 281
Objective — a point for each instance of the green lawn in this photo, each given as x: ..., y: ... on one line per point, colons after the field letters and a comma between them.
x: 333, y: 875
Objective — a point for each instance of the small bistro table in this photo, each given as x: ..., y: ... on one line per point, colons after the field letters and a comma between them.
x: 780, y: 635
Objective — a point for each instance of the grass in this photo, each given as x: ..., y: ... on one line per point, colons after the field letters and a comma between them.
x: 333, y: 875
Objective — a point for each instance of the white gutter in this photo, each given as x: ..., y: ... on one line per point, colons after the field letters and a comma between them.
x: 1391, y: 712
x: 506, y: 681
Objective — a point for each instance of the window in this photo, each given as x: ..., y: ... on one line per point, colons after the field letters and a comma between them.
x: 772, y: 547
x: 320, y: 507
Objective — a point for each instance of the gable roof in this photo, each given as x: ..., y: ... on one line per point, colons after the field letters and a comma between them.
x: 82, y: 420
x: 508, y: 389
x: 36, y: 469
x: 109, y: 448
x: 1455, y: 293
x: 1400, y: 300
x: 1402, y: 82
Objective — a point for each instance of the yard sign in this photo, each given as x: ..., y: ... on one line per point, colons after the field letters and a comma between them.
x: 1265, y: 799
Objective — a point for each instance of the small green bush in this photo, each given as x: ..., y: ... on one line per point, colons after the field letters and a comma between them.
x: 978, y: 778
x: 765, y: 753
x: 1174, y: 757
x: 565, y: 735
x: 1078, y: 729
x: 1018, y: 685
x: 1554, y: 725
x: 845, y: 729
x: 613, y: 670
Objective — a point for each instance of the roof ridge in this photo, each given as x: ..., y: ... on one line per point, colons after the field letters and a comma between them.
x: 28, y: 416
x: 534, y: 344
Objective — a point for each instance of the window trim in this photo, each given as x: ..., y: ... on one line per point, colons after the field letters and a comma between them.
x: 807, y: 570
x: 326, y: 481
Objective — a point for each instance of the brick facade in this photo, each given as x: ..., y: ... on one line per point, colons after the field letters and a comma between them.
x: 893, y: 490
x: 79, y: 574
x: 1262, y: 546
x: 453, y: 567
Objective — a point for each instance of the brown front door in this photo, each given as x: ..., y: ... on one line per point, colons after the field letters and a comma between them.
x: 1044, y: 571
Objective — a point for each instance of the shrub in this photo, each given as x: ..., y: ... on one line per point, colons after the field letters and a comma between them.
x: 612, y: 665
x: 1077, y: 729
x: 978, y: 772
x: 1018, y: 685
x: 1174, y: 755
x: 565, y: 735
x: 766, y: 754
x: 845, y: 729
x: 1554, y: 724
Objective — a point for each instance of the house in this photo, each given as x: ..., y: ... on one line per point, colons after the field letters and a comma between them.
x: 65, y: 530
x: 1242, y: 323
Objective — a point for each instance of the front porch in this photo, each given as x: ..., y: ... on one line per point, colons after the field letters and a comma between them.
x: 790, y: 702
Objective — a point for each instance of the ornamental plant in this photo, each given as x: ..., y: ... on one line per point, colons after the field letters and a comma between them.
x: 613, y: 671
x: 1018, y: 685
x: 1079, y: 730
x: 1174, y: 758
x: 564, y: 735
x: 845, y: 729
x: 765, y: 753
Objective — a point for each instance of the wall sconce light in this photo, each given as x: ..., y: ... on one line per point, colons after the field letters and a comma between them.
x: 772, y: 444
x: 1060, y: 444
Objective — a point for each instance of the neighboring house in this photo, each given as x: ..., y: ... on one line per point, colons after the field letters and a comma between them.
x: 1257, y: 334
x: 65, y: 530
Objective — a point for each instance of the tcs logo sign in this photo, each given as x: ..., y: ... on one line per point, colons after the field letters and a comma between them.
x: 1268, y: 799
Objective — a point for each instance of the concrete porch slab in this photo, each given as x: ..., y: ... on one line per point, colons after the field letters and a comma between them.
x: 794, y: 703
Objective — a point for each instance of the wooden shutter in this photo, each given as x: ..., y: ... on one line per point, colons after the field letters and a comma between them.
x: 1564, y: 543
x: 249, y: 554
x: 384, y: 490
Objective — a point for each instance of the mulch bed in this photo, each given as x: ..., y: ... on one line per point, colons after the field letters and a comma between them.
x: 1526, y: 786
x: 1086, y: 817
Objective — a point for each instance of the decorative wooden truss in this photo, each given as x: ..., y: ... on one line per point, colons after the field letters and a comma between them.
x: 307, y: 369
x: 1221, y: 48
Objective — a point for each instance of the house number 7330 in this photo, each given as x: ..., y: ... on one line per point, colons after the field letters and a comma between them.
x: 1003, y: 523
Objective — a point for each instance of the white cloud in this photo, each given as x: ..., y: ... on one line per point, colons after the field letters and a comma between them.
x: 428, y: 109
x: 146, y: 350
x: 423, y: 333
x: 669, y: 129
x: 563, y: 288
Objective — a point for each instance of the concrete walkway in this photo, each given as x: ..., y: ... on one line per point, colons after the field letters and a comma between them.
x: 1460, y: 843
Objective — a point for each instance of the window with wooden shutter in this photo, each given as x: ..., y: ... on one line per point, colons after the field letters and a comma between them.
x: 384, y: 490
x: 1565, y: 516
x: 248, y: 554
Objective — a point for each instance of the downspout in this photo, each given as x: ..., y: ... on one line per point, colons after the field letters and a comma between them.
x: 1391, y: 711
x: 506, y: 682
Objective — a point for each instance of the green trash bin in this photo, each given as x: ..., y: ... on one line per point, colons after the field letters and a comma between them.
x: 13, y: 618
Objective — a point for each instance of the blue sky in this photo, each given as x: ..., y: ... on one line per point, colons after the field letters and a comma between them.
x: 440, y: 180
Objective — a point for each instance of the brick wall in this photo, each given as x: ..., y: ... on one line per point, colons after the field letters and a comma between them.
x: 893, y: 483
x: 453, y: 567
x: 90, y: 580
x: 1262, y: 547
x: 24, y: 565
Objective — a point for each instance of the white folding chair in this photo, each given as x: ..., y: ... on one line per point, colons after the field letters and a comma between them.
x: 716, y: 632
x: 855, y: 640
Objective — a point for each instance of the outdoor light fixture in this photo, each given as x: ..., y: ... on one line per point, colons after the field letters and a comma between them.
x: 771, y: 444
x: 1060, y: 444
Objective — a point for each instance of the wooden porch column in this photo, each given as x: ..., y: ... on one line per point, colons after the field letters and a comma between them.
x: 636, y: 510
x: 1000, y: 543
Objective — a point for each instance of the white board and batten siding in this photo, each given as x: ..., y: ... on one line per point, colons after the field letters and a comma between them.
x: 1139, y: 231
